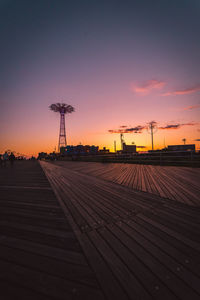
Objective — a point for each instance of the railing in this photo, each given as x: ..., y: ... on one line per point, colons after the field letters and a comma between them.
x: 162, y: 158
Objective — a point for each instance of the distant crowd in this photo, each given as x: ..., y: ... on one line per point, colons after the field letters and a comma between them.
x: 5, y: 158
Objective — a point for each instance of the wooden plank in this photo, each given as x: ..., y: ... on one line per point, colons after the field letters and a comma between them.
x: 173, y: 233
x: 106, y: 278
x: 64, y: 255
x: 51, y: 286
x: 39, y: 253
x: 177, y: 183
x: 170, y: 273
x: 73, y: 272
x: 165, y: 246
x: 10, y: 291
x: 143, y: 275
x: 138, y: 246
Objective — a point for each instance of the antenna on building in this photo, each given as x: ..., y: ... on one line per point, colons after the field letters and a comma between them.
x: 152, y: 128
x: 164, y: 143
x: 63, y: 109
x: 122, y: 140
x: 115, y: 148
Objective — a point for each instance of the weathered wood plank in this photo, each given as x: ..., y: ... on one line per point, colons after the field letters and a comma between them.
x: 146, y: 246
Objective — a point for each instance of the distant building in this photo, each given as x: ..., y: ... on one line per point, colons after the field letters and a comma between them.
x: 80, y: 150
x: 42, y: 155
x: 104, y: 151
x: 188, y: 147
x: 129, y: 148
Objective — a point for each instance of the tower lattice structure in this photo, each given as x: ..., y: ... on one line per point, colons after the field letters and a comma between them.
x: 63, y: 109
x: 62, y: 141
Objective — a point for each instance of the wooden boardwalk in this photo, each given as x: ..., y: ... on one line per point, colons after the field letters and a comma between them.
x: 40, y: 257
x: 139, y: 245
x: 177, y: 183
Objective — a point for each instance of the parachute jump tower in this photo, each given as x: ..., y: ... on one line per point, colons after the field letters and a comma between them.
x: 63, y: 109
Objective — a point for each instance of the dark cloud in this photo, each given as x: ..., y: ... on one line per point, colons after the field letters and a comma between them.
x: 137, y: 129
x: 154, y: 124
x: 197, y: 140
x: 176, y: 126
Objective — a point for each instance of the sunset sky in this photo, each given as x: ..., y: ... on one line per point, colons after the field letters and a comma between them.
x: 121, y: 64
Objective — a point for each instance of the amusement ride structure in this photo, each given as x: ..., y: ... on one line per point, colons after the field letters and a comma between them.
x: 63, y: 109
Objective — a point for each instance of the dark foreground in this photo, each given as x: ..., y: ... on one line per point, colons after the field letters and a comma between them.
x: 40, y: 257
x: 94, y: 240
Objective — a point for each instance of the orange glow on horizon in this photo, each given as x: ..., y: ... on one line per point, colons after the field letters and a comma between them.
x: 162, y: 138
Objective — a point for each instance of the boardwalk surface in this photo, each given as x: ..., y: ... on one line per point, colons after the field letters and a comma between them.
x: 40, y: 257
x: 140, y: 245
x: 177, y: 183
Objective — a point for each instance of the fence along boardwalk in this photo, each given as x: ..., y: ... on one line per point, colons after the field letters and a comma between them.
x: 140, y: 246
x: 40, y: 257
x: 176, y: 183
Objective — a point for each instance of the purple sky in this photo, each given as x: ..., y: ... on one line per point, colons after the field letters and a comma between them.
x: 117, y: 62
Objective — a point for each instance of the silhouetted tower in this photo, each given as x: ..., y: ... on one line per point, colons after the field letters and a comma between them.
x: 153, y: 129
x: 184, y: 141
x: 63, y: 109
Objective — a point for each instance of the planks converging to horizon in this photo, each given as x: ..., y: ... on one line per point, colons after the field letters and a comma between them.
x: 176, y: 183
x: 140, y: 246
x: 99, y: 231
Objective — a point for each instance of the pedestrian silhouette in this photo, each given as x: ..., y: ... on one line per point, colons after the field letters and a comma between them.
x: 5, y: 158
x: 12, y: 159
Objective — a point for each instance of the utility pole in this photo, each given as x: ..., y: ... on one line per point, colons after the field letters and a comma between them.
x: 153, y: 129
x: 115, y: 149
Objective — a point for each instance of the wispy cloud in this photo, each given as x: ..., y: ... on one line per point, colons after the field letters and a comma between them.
x: 140, y: 128
x: 176, y: 126
x: 147, y: 86
x: 191, y: 107
x: 137, y: 129
x: 186, y: 91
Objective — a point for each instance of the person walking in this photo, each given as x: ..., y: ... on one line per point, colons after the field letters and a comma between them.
x: 5, y: 158
x: 12, y: 159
